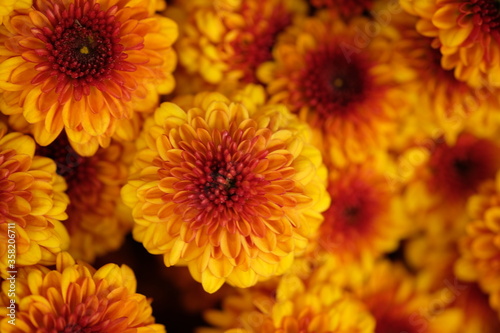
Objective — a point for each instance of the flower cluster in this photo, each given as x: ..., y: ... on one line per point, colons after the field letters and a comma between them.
x: 284, y: 166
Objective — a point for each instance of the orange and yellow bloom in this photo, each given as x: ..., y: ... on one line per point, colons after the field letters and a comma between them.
x: 467, y: 32
x: 32, y: 203
x: 234, y: 192
x: 83, y: 66
x: 480, y: 251
x: 338, y: 81
x: 97, y: 219
x: 77, y: 298
x: 227, y: 40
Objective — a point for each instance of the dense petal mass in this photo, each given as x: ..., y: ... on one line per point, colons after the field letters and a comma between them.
x: 32, y: 204
x: 227, y: 40
x: 445, y: 176
x: 440, y: 102
x: 467, y: 33
x: 365, y: 219
x: 480, y: 251
x: 392, y: 296
x: 84, y: 66
x: 295, y: 303
x: 74, y: 297
x: 97, y: 219
x: 340, y: 81
x: 231, y: 190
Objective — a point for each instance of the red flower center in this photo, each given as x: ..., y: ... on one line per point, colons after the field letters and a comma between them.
x: 332, y: 84
x: 485, y: 16
x: 222, y: 185
x: 458, y: 170
x: 355, y: 207
x: 82, y: 50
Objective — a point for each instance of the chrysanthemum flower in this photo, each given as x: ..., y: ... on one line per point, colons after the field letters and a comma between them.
x: 227, y: 40
x: 231, y: 190
x: 339, y: 80
x: 97, y: 220
x: 295, y: 305
x: 32, y: 203
x: 392, y: 297
x: 446, y: 176
x: 467, y: 33
x: 83, y: 66
x: 439, y: 101
x: 365, y: 218
x: 346, y: 8
x: 431, y: 256
x: 480, y: 250
x: 77, y: 298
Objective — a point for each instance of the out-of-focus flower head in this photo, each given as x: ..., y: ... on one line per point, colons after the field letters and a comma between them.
x: 341, y: 81
x: 431, y: 255
x: 294, y: 303
x: 74, y: 297
x: 392, y: 297
x: 84, y: 66
x: 226, y: 40
x: 97, y: 219
x: 231, y: 190
x: 440, y: 102
x: 467, y: 32
x: 32, y: 203
x: 365, y: 219
x: 480, y: 249
x: 443, y: 176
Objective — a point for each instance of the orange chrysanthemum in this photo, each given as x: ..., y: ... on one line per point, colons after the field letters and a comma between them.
x: 441, y: 103
x: 292, y: 304
x: 446, y: 176
x: 32, y: 204
x: 97, y: 220
x: 231, y: 190
x: 480, y: 249
x: 392, y: 297
x: 227, y: 40
x: 77, y: 298
x: 84, y: 66
x: 340, y: 81
x: 364, y: 220
x: 467, y: 33
x: 431, y: 256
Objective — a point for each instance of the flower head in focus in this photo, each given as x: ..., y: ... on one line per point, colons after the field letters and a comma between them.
x: 230, y: 190
x: 345, y: 86
x: 226, y: 40
x: 32, y: 202
x: 83, y: 66
x: 467, y: 32
x: 77, y: 298
x: 97, y: 219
